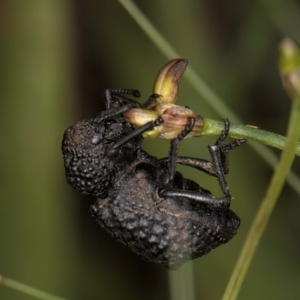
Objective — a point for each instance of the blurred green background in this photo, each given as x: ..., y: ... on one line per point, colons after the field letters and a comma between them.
x: 56, y: 57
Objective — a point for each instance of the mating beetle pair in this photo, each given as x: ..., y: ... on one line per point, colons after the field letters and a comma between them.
x: 141, y: 200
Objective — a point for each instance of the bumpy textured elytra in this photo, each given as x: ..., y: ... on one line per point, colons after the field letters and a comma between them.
x: 141, y: 200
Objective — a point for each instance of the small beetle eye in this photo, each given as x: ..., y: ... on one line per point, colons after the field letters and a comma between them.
x: 96, y: 139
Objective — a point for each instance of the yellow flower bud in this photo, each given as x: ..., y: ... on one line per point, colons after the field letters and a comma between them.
x: 168, y: 79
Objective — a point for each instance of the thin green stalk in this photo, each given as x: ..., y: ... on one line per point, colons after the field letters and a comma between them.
x: 266, y: 208
x: 181, y: 283
x: 26, y: 289
x: 202, y: 88
x: 213, y: 127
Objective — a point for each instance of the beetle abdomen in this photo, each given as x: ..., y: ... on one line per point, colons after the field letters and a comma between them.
x: 169, y: 232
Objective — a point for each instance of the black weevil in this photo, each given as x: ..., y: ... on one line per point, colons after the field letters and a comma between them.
x: 141, y: 200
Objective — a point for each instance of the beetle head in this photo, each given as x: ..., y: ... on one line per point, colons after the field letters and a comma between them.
x: 90, y: 166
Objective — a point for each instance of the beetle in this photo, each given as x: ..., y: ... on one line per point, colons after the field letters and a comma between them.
x: 141, y: 200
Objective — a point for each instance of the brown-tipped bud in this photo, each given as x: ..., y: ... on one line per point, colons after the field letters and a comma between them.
x: 176, y: 118
x: 291, y: 83
x: 289, y: 66
x: 168, y: 79
x: 289, y: 56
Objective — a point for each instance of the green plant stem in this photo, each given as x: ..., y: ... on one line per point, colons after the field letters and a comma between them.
x: 202, y: 88
x: 213, y: 127
x: 181, y: 283
x: 267, y: 205
x: 27, y: 289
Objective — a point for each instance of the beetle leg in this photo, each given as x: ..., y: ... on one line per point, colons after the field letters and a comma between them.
x: 148, y: 126
x: 116, y: 95
x: 219, y: 165
x: 224, y: 152
x: 108, y: 95
x: 224, y: 149
x: 196, y: 196
x: 197, y: 163
x: 125, y: 104
x: 219, y: 154
x: 205, y: 165
x: 174, y: 150
x: 150, y: 100
x: 113, y: 112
